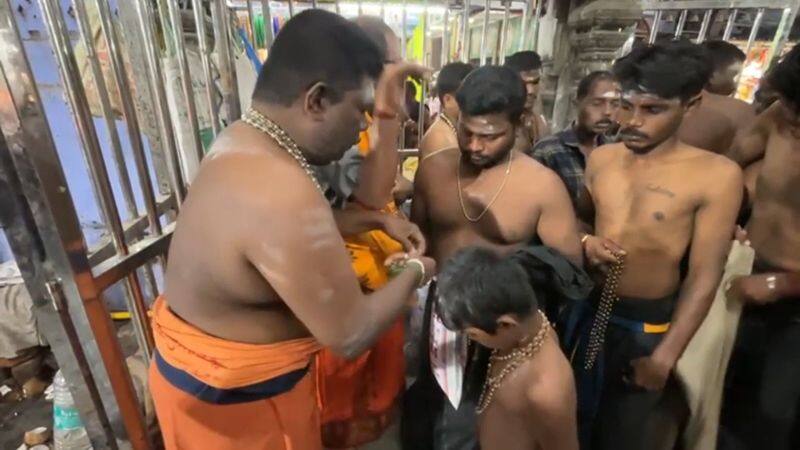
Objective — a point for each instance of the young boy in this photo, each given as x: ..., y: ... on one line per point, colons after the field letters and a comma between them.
x: 528, y: 400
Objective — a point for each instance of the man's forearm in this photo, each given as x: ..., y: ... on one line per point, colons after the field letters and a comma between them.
x: 351, y: 222
x: 692, y: 307
x: 380, y: 310
x: 791, y: 285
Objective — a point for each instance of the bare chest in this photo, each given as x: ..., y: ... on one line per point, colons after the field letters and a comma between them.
x: 643, y: 201
x: 491, y: 206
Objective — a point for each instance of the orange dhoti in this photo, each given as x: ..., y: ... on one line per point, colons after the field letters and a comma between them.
x: 211, y: 393
x: 360, y: 397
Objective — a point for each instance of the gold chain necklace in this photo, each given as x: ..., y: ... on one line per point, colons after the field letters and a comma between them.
x: 496, y: 195
x: 515, y: 359
x: 262, y: 123
x: 608, y: 298
x: 448, y: 122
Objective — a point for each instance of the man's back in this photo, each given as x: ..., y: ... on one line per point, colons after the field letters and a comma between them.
x: 210, y: 282
x: 440, y: 136
x: 713, y: 125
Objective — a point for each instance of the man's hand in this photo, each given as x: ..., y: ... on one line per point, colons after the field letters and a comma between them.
x: 757, y: 289
x: 389, y: 91
x: 601, y: 251
x: 401, y: 259
x: 650, y: 373
x: 406, y: 233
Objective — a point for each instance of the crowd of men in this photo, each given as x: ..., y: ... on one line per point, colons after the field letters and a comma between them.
x: 560, y: 278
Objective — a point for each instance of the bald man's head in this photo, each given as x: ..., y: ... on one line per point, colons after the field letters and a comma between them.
x: 382, y: 35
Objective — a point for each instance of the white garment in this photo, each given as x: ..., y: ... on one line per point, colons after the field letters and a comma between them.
x: 448, y: 355
x: 18, y: 330
x: 704, y: 363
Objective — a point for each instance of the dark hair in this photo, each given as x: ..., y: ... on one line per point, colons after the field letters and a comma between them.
x: 476, y: 287
x: 785, y: 77
x: 450, y: 78
x: 587, y: 83
x: 492, y: 89
x: 317, y: 46
x: 722, y: 54
x: 524, y: 61
x: 376, y: 29
x: 677, y: 69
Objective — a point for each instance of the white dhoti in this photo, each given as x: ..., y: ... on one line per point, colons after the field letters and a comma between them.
x: 703, y: 365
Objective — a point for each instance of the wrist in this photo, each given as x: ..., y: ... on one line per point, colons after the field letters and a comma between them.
x: 665, y: 357
x: 419, y: 267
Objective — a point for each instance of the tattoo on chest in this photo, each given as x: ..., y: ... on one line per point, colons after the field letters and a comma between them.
x: 660, y: 190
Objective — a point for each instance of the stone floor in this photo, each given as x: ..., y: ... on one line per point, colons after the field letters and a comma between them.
x: 17, y: 418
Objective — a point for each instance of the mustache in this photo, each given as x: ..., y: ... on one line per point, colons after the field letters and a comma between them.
x: 630, y: 133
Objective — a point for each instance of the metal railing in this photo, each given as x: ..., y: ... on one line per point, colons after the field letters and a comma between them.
x: 68, y: 279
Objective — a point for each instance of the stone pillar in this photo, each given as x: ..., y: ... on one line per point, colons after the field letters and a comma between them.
x: 591, y: 37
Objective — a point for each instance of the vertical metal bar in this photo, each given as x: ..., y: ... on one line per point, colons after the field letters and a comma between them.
x: 291, y: 8
x: 108, y: 32
x: 73, y: 86
x: 726, y: 36
x: 105, y: 104
x: 526, y: 12
x: 754, y: 30
x: 266, y: 13
x: 423, y: 84
x: 484, y: 30
x: 404, y: 52
x: 202, y: 44
x: 144, y: 14
x: 251, y: 19
x: 360, y: 8
x: 681, y: 23
x: 314, y: 4
x: 61, y: 305
x: 383, y: 9
x: 535, y: 28
x: 186, y: 76
x: 227, y: 71
x: 45, y: 234
x: 782, y: 33
x: 403, y: 32
x: 654, y: 28
x: 504, y: 34
x: 465, y: 35
x: 337, y: 7
x: 445, y: 56
x: 701, y: 36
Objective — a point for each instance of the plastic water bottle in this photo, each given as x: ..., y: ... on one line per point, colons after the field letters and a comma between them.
x: 68, y: 430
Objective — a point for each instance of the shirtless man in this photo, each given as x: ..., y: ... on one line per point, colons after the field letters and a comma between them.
x: 491, y: 299
x: 719, y: 116
x: 258, y: 277
x: 442, y: 134
x: 528, y: 65
x: 487, y: 195
x: 656, y: 200
x: 763, y: 400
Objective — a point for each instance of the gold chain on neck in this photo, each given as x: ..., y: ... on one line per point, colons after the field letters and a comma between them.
x: 496, y: 195
x: 515, y: 359
x: 448, y: 122
x: 597, y: 334
x: 262, y: 123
